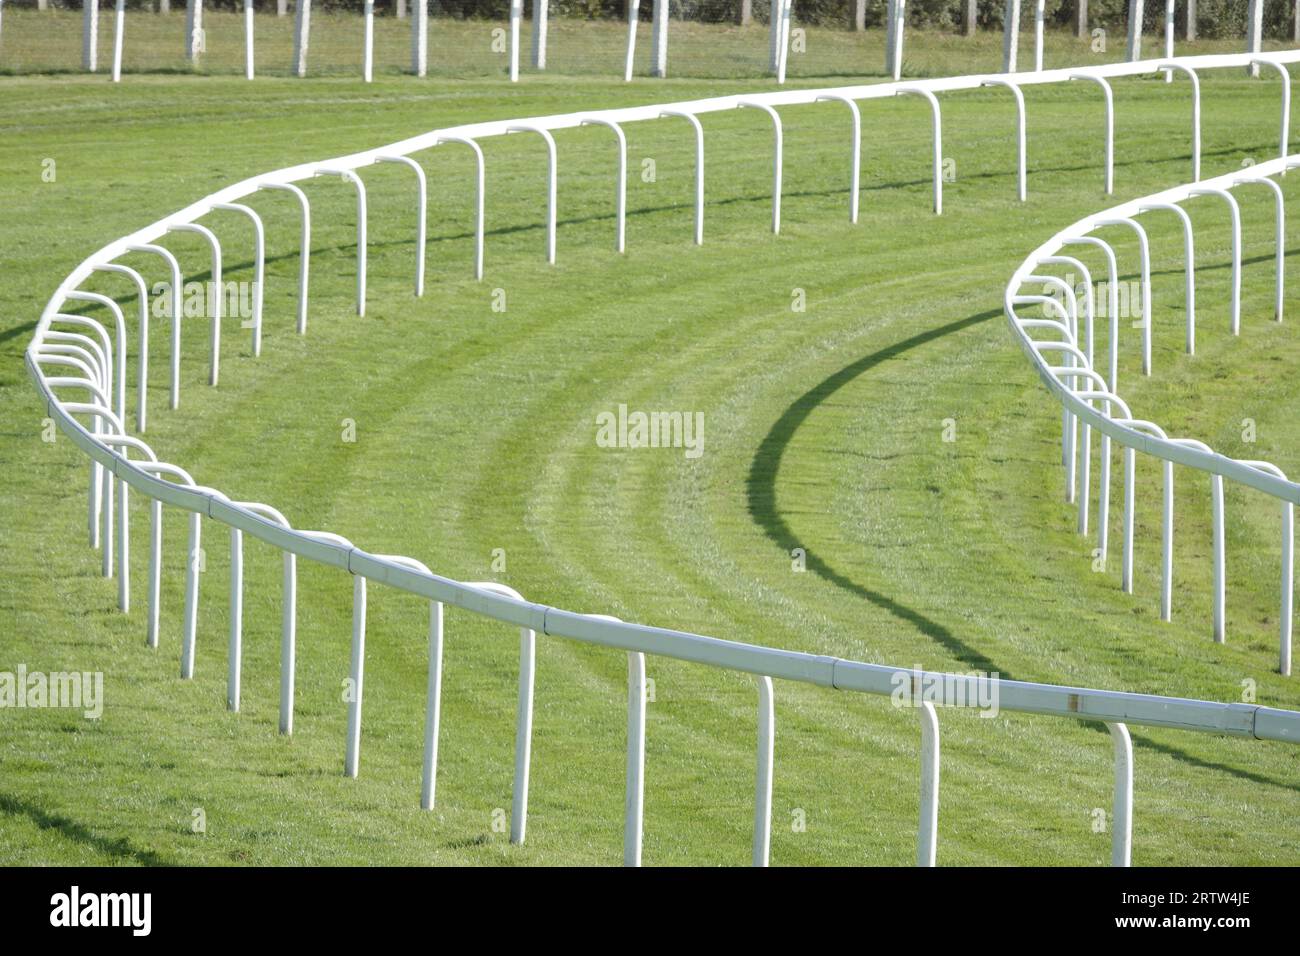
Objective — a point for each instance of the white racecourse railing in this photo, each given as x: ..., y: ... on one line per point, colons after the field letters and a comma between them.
x: 778, y: 29
x: 96, y: 366
x: 1062, y: 347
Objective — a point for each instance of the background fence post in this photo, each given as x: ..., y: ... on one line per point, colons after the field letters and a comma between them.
x: 1010, y: 36
x: 1254, y: 32
x: 1134, y: 49
x: 659, y: 40
x: 90, y: 36
x: 1081, y: 19
x: 1191, y: 19
x: 968, y: 18
x: 541, y: 13
x: 193, y: 30
x: 420, y: 38
x: 301, y: 30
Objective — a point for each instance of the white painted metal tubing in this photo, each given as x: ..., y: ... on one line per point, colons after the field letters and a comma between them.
x: 352, y: 758
x: 1085, y: 453
x: 368, y: 54
x: 620, y: 189
x: 1112, y: 300
x: 1038, y: 35
x: 516, y: 14
x: 927, y: 836
x: 523, y: 716
x: 421, y: 214
x: 304, y: 247
x: 855, y: 155
x: 1168, y: 69
x: 1189, y: 270
x: 119, y: 321
x: 1167, y: 519
x: 248, y: 39
x: 699, y: 169
x: 1121, y: 840
x: 1110, y: 124
x: 1021, y: 137
x: 938, y: 140
x: 1144, y: 250
x: 778, y: 150
x: 1069, y: 316
x: 214, y: 296
x: 126, y: 442
x: 1220, y: 570
x: 1285, y: 126
x: 478, y: 197
x: 119, y: 25
x: 633, y: 18
x: 1279, y: 239
x: 235, y: 654
x: 355, y: 180
x: 763, y: 774
x: 634, y: 795
x: 1235, y: 212
x: 142, y: 374
x: 1287, y: 606
x: 783, y: 58
x: 173, y: 304
x: 259, y: 267
x: 551, y: 177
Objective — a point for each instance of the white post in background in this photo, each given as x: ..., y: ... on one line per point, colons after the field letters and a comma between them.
x: 633, y: 16
x: 248, y: 39
x: 400, y: 9
x: 763, y: 773
x: 516, y: 14
x: 281, y: 8
x: 119, y: 24
x: 659, y: 40
x: 368, y: 57
x: 774, y: 36
x: 541, y: 10
x: 164, y: 6
x: 894, y: 38
x: 1254, y: 32
x: 420, y: 38
x: 784, y: 59
x: 90, y: 36
x: 1169, y: 37
x: 634, y: 795
x: 301, y: 30
x: 1010, y: 36
x: 1121, y: 840
x: 1134, y: 51
x: 1038, y: 35
x: 193, y: 29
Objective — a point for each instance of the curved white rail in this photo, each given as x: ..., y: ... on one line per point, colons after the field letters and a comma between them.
x: 107, y: 444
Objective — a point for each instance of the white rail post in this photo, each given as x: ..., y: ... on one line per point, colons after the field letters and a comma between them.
x: 360, y: 187
x: 552, y: 173
x: 541, y: 10
x: 288, y: 642
x: 421, y: 214
x: 1254, y: 34
x: 1130, y: 479
x: 785, y: 41
x: 855, y: 149
x: 90, y: 35
x: 1021, y: 135
x: 1134, y: 48
x: 420, y: 38
x: 1038, y: 35
x: 1010, y: 36
x: 301, y: 35
x: 248, y: 39
x: 1285, y: 126
x: 304, y: 247
x: 633, y: 17
x: 1110, y: 123
x: 763, y: 774
x: 927, y: 835
x: 634, y: 795
x: 1121, y: 839
x: 1218, y: 546
x: 1288, y: 588
x: 368, y: 53
x: 173, y: 302
x: 1279, y: 239
x: 777, y: 152
x: 516, y: 15
x: 659, y: 39
x: 699, y: 169
x: 432, y: 708
x: 234, y: 659
x: 189, y: 631
x: 1169, y: 69
x: 119, y: 25
x: 1234, y: 211
x: 937, y: 123
x: 478, y: 196
x: 1167, y: 546
x: 215, y: 295
x: 523, y: 734
x: 774, y: 34
x: 259, y: 267
x: 620, y: 187
x: 352, y: 757
x: 195, y: 40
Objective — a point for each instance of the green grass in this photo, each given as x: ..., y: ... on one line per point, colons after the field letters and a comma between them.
x: 475, y: 431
